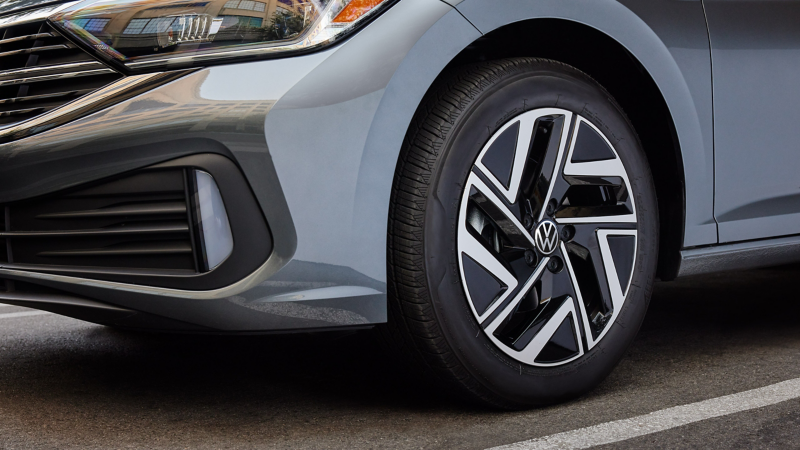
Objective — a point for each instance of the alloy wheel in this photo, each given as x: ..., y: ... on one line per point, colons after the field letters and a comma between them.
x: 547, y: 237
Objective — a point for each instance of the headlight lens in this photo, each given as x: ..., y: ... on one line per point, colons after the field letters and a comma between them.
x: 140, y: 34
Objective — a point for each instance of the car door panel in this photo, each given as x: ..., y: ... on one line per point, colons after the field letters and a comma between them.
x: 755, y: 48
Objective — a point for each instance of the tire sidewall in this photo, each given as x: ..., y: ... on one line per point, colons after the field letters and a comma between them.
x: 533, y: 86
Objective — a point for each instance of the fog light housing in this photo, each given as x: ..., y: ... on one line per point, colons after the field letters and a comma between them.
x: 213, y: 228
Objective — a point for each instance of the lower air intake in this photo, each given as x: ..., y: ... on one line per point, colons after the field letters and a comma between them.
x: 151, y: 220
x: 191, y: 223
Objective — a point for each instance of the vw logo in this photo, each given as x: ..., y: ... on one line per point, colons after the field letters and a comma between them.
x: 546, y: 237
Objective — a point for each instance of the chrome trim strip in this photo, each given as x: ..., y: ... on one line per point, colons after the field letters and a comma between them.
x: 17, y: 112
x: 226, y: 54
x: 7, y: 9
x: 61, y: 68
x: 56, y: 76
x: 55, y: 95
x: 44, y: 48
x: 94, y: 270
x: 108, y: 95
x: 28, y: 37
x: 34, y: 14
x: 272, y: 265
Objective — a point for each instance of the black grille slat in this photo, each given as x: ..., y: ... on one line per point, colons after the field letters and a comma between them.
x: 38, y: 72
x: 139, y: 221
x: 136, y: 249
x: 137, y: 209
x: 43, y: 69
x: 19, y: 112
x: 28, y: 37
x: 118, y: 231
x: 25, y: 51
x: 66, y: 56
x: 54, y: 96
x: 4, y: 250
x: 70, y: 77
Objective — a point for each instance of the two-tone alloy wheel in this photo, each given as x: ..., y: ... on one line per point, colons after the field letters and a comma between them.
x: 522, y: 235
x: 547, y: 237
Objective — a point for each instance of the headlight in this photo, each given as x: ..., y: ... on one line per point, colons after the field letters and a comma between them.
x: 159, y: 34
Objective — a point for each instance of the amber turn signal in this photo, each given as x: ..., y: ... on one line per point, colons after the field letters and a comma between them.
x: 355, y: 9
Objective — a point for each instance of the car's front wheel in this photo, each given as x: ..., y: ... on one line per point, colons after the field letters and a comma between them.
x: 523, y: 233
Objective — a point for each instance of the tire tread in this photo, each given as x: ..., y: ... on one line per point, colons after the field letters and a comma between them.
x: 413, y: 327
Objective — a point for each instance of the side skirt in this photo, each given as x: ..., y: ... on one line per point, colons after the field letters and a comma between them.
x: 740, y: 256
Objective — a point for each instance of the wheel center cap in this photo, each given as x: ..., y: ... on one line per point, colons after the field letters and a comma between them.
x: 546, y: 237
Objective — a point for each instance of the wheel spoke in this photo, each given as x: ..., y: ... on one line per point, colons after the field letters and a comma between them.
x: 482, y: 196
x: 546, y: 181
x: 586, y: 258
x: 589, y: 199
x: 512, y: 155
x: 489, y: 282
x: 564, y: 315
x: 526, y: 325
x: 618, y: 250
x: 600, y: 263
x: 492, y: 244
x: 545, y: 302
x: 594, y: 185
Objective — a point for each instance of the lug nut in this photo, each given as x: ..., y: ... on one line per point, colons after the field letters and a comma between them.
x: 527, y: 221
x: 555, y: 264
x: 567, y: 233
x: 530, y: 258
x: 552, y: 205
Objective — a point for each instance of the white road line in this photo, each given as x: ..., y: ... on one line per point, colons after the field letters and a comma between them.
x: 621, y: 430
x: 23, y: 314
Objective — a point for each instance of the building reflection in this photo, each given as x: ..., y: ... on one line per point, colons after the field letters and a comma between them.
x: 155, y: 26
x: 176, y: 113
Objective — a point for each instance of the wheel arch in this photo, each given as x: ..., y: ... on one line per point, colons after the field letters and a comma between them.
x: 623, y: 76
x: 671, y: 133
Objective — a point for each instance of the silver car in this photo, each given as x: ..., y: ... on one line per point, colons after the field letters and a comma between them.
x: 494, y: 184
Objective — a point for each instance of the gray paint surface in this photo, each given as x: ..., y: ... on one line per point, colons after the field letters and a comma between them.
x: 318, y: 136
x: 299, y: 136
x: 756, y: 53
x: 670, y: 50
x: 681, y: 26
x: 322, y: 171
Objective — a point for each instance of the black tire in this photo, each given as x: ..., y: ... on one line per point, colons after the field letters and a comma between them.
x: 429, y: 314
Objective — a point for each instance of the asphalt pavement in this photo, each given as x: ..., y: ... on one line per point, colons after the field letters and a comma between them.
x: 70, y: 384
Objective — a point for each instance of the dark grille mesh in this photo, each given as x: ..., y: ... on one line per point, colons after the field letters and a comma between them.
x: 41, y: 70
x: 141, y: 221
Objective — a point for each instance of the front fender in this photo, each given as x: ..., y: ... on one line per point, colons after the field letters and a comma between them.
x: 680, y: 69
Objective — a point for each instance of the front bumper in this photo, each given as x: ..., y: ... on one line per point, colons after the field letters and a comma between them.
x: 297, y: 129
